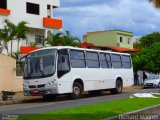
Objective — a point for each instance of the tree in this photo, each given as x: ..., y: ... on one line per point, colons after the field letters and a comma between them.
x: 21, y: 30
x: 148, y: 59
x: 55, y: 40
x: 63, y: 39
x: 69, y: 40
x: 7, y: 34
x: 156, y: 3
x: 0, y: 44
x: 12, y: 31
x: 147, y: 40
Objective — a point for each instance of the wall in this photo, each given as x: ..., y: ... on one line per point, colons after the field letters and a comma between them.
x: 8, y: 79
x: 127, y: 37
x: 105, y: 38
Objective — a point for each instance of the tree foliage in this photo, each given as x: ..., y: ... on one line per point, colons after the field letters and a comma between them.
x: 149, y: 39
x: 149, y: 58
x: 62, y: 39
x: 11, y: 32
x: 156, y: 3
x: 7, y: 34
x: 21, y: 30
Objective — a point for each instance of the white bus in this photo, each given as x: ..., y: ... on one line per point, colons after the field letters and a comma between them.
x: 70, y: 70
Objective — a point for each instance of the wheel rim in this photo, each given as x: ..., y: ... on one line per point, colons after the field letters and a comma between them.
x: 76, y: 91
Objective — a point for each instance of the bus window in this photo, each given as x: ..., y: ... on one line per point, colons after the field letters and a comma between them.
x: 77, y: 59
x: 126, y: 61
x: 92, y: 60
x: 116, y: 61
x: 63, y: 63
x: 105, y: 60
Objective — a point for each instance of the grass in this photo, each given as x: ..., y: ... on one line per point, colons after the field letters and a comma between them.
x: 96, y: 111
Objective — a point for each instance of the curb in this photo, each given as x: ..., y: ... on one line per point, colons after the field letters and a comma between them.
x: 133, y: 112
x: 10, y: 102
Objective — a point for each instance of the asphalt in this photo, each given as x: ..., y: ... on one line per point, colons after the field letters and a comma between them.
x: 40, y: 106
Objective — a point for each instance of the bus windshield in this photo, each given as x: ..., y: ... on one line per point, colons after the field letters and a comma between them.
x: 40, y: 64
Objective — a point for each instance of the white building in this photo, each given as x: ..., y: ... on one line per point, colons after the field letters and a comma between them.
x: 38, y: 13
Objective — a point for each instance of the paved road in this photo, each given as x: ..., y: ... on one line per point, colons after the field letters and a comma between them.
x: 40, y: 106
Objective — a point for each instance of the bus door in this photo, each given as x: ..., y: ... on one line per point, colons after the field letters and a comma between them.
x: 63, y: 66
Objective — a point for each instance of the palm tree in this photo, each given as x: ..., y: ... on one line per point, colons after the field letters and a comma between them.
x: 7, y: 34
x: 69, y: 40
x: 156, y: 3
x: 55, y: 40
x: 21, y: 30
x: 4, y: 39
x: 63, y: 39
x: 10, y: 31
x: 1, y: 43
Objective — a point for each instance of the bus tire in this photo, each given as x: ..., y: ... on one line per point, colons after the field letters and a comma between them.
x: 118, y: 89
x: 77, y: 91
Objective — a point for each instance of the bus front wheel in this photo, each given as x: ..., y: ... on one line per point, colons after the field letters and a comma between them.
x: 118, y: 89
x: 77, y: 91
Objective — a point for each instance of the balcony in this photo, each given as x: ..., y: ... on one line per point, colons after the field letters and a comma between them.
x: 52, y: 23
x: 4, y: 12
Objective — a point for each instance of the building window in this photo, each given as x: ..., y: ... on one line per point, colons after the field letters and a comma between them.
x: 121, y: 39
x: 129, y: 41
x: 32, y: 8
x: 49, y: 11
x: 39, y: 39
x: 3, y: 4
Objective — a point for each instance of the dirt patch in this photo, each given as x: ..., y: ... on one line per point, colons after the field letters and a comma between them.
x: 132, y: 88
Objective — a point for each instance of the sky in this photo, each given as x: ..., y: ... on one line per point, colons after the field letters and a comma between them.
x: 82, y: 16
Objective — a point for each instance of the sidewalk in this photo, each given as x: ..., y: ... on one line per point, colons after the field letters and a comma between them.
x: 20, y: 98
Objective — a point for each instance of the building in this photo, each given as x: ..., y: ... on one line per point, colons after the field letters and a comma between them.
x: 38, y: 13
x: 112, y: 38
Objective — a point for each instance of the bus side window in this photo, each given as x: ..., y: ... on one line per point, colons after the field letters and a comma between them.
x: 63, y: 63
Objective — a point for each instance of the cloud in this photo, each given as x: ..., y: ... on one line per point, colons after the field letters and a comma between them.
x: 82, y: 16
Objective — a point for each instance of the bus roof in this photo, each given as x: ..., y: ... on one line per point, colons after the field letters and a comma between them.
x: 76, y: 48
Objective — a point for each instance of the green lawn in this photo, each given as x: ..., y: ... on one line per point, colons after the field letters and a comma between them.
x: 96, y: 111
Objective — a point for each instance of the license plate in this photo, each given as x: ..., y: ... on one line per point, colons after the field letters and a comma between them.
x: 149, y: 84
x: 35, y: 91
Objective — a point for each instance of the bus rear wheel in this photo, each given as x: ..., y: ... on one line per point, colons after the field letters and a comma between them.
x: 77, y: 91
x: 118, y: 89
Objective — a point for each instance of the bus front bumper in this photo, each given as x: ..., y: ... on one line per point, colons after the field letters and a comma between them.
x: 39, y: 92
